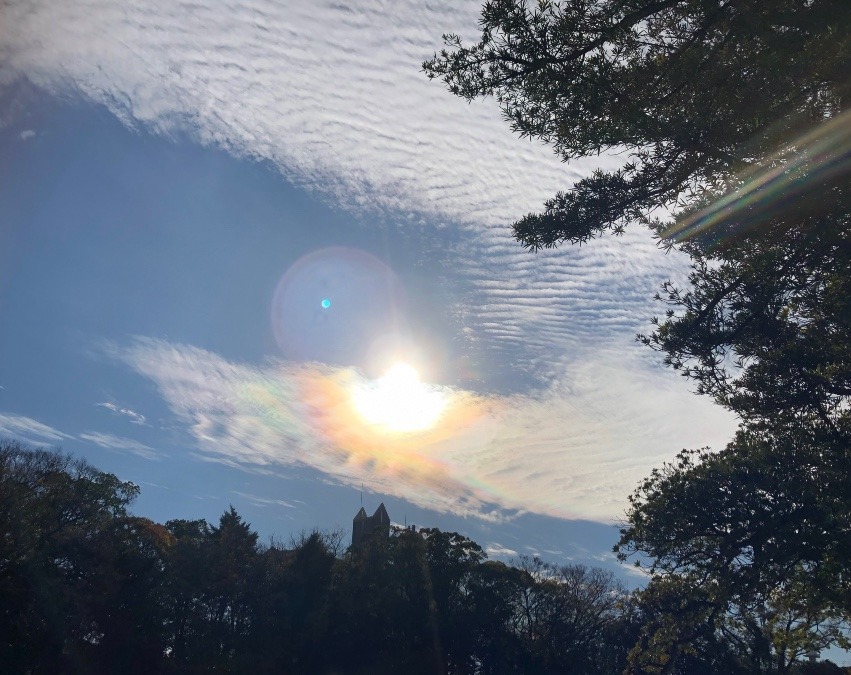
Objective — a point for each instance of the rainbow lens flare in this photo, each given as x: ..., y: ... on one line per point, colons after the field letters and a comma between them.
x: 814, y: 158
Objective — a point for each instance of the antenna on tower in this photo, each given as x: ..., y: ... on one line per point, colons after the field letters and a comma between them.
x: 361, y: 493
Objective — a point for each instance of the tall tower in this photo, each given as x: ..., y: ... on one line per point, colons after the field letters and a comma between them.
x: 364, y: 525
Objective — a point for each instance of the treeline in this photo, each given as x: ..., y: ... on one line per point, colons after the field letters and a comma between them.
x: 87, y: 587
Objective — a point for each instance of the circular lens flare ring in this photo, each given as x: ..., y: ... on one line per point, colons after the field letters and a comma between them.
x: 399, y: 402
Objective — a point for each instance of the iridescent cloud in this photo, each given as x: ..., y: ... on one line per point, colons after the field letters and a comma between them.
x: 573, y: 450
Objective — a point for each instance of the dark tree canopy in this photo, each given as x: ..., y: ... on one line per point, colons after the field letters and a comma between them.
x: 764, y: 326
x: 746, y: 539
x: 735, y: 116
x: 79, y: 577
x: 771, y: 508
x: 98, y: 590
x: 696, y: 92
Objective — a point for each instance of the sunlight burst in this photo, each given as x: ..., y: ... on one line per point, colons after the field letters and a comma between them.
x: 399, y: 402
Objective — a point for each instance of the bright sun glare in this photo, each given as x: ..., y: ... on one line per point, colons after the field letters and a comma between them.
x: 399, y: 402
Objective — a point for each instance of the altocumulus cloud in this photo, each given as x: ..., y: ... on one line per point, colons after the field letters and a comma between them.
x: 333, y: 95
x: 572, y: 450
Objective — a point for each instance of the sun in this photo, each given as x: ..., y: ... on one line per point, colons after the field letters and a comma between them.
x: 399, y: 402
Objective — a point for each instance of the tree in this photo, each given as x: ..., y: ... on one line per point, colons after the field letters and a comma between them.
x: 123, y: 595
x: 678, y: 630
x: 768, y: 508
x: 690, y: 627
x: 774, y: 633
x: 765, y: 324
x: 232, y: 555
x: 564, y: 613
x: 695, y: 92
x: 748, y: 538
x: 290, y: 629
x: 79, y: 576
x: 186, y: 581
x: 384, y: 613
x: 87, y: 587
x: 213, y: 578
x: 735, y: 116
x: 494, y: 594
x: 450, y: 563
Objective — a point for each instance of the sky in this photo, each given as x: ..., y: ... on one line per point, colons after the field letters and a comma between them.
x: 223, y: 224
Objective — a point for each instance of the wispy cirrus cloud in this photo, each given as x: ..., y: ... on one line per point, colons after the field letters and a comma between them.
x: 133, y: 416
x: 575, y: 449
x: 121, y: 444
x: 30, y: 430
x: 266, y: 501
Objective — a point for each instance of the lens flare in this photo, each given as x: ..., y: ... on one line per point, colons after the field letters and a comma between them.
x: 332, y: 303
x: 399, y: 402
x: 820, y: 155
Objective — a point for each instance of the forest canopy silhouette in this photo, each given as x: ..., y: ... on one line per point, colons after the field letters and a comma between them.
x: 88, y: 587
x: 734, y: 118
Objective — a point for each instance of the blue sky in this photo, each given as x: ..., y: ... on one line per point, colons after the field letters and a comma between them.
x: 181, y: 187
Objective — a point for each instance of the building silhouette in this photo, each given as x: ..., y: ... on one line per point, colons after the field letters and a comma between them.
x: 363, y: 525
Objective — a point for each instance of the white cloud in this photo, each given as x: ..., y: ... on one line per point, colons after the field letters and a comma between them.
x: 333, y: 97
x: 28, y: 429
x: 494, y: 549
x: 27, y: 134
x: 132, y: 415
x: 121, y: 444
x: 575, y: 449
x: 265, y: 501
x: 332, y: 94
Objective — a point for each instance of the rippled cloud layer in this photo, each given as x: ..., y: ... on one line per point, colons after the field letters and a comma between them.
x: 333, y: 96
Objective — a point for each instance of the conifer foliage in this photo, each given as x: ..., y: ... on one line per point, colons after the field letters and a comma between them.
x: 735, y: 120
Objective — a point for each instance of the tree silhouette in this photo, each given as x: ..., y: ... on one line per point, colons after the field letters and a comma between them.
x: 89, y: 588
x: 696, y: 92
x: 79, y: 578
x: 735, y: 116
